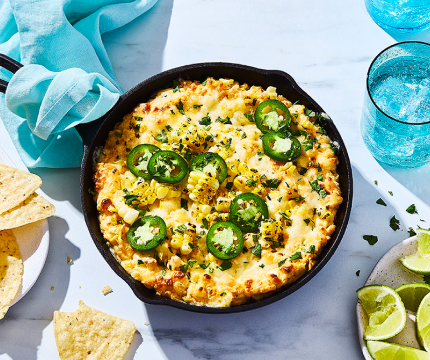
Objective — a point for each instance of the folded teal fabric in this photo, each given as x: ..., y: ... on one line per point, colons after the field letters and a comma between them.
x: 67, y: 78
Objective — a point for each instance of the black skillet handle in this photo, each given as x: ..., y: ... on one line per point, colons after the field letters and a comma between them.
x: 9, y: 64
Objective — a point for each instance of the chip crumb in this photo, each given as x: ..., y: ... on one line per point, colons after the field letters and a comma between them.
x: 69, y: 260
x: 146, y: 323
x: 107, y: 290
x: 52, y: 288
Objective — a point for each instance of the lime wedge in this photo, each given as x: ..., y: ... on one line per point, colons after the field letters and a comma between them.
x: 385, y: 310
x: 423, y: 322
x: 380, y: 350
x: 419, y: 263
x: 412, y: 294
x: 423, y: 239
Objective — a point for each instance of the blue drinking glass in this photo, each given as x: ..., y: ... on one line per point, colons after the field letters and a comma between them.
x: 404, y: 16
x: 395, y: 121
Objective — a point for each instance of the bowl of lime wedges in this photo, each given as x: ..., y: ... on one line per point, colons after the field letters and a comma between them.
x: 393, y: 310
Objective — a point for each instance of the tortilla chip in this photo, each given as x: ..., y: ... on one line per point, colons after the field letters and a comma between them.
x: 34, y: 208
x: 88, y: 333
x: 15, y: 186
x: 10, y: 270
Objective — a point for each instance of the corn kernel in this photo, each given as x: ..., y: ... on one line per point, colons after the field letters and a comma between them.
x: 131, y: 216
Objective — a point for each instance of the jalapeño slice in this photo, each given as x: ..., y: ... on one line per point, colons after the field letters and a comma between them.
x: 137, y: 160
x: 272, y: 116
x: 210, y: 161
x: 247, y: 210
x: 167, y: 167
x: 281, y: 147
x: 147, y: 233
x: 224, y: 240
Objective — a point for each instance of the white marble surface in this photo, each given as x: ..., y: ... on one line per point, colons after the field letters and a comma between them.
x: 327, y: 47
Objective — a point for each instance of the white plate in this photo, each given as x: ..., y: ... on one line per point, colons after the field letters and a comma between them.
x: 389, y: 271
x: 33, y: 242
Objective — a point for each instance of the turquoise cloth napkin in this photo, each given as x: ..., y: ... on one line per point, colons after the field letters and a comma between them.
x: 67, y: 78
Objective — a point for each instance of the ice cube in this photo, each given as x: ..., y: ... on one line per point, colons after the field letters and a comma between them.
x: 418, y: 110
x: 393, y: 95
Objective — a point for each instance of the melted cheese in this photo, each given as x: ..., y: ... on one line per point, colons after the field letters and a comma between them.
x: 187, y: 271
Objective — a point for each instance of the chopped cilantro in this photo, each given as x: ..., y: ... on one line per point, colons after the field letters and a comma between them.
x: 223, y: 294
x: 391, y: 193
x: 196, y: 106
x: 249, y: 117
x: 412, y: 209
x: 184, y: 204
x: 173, y: 113
x: 118, y: 134
x: 282, y: 262
x: 204, y: 82
x: 184, y: 268
x: 381, y: 202
x: 205, y: 224
x: 311, y: 249
x: 371, y: 239
x: 298, y: 198
x: 162, y: 137
x: 139, y: 262
x: 203, y: 266
x: 271, y: 183
x: 163, y: 273
x: 180, y: 107
x: 206, y: 120
x: 138, y: 118
x: 262, y: 265
x: 225, y: 265
x: 257, y: 250
x: 411, y: 232
x: 394, y: 223
x: 303, y: 170
x: 223, y: 121
x: 334, y: 148
x: 91, y: 191
x: 297, y: 255
x: 357, y: 273
x: 376, y: 182
x: 176, y: 84
x: 309, y: 112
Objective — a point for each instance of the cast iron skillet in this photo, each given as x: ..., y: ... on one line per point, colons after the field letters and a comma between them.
x: 94, y: 135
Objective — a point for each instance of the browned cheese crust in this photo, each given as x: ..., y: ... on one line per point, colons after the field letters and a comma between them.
x: 181, y: 267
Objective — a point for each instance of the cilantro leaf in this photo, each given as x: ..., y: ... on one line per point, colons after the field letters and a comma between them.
x: 412, y: 209
x: 371, y: 239
x: 411, y: 232
x: 381, y: 202
x: 297, y: 255
x: 257, y: 250
x: 225, y: 265
x: 271, y: 183
x: 180, y: 107
x: 206, y: 120
x: 394, y: 223
x: 249, y: 117
x: 282, y: 262
x: 184, y: 204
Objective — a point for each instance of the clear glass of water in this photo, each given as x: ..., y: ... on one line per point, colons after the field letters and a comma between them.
x: 404, y: 16
x: 395, y: 121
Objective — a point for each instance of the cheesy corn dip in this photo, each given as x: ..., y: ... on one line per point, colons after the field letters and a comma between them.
x: 244, y: 219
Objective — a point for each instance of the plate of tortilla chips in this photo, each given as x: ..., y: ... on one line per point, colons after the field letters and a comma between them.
x: 24, y: 232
